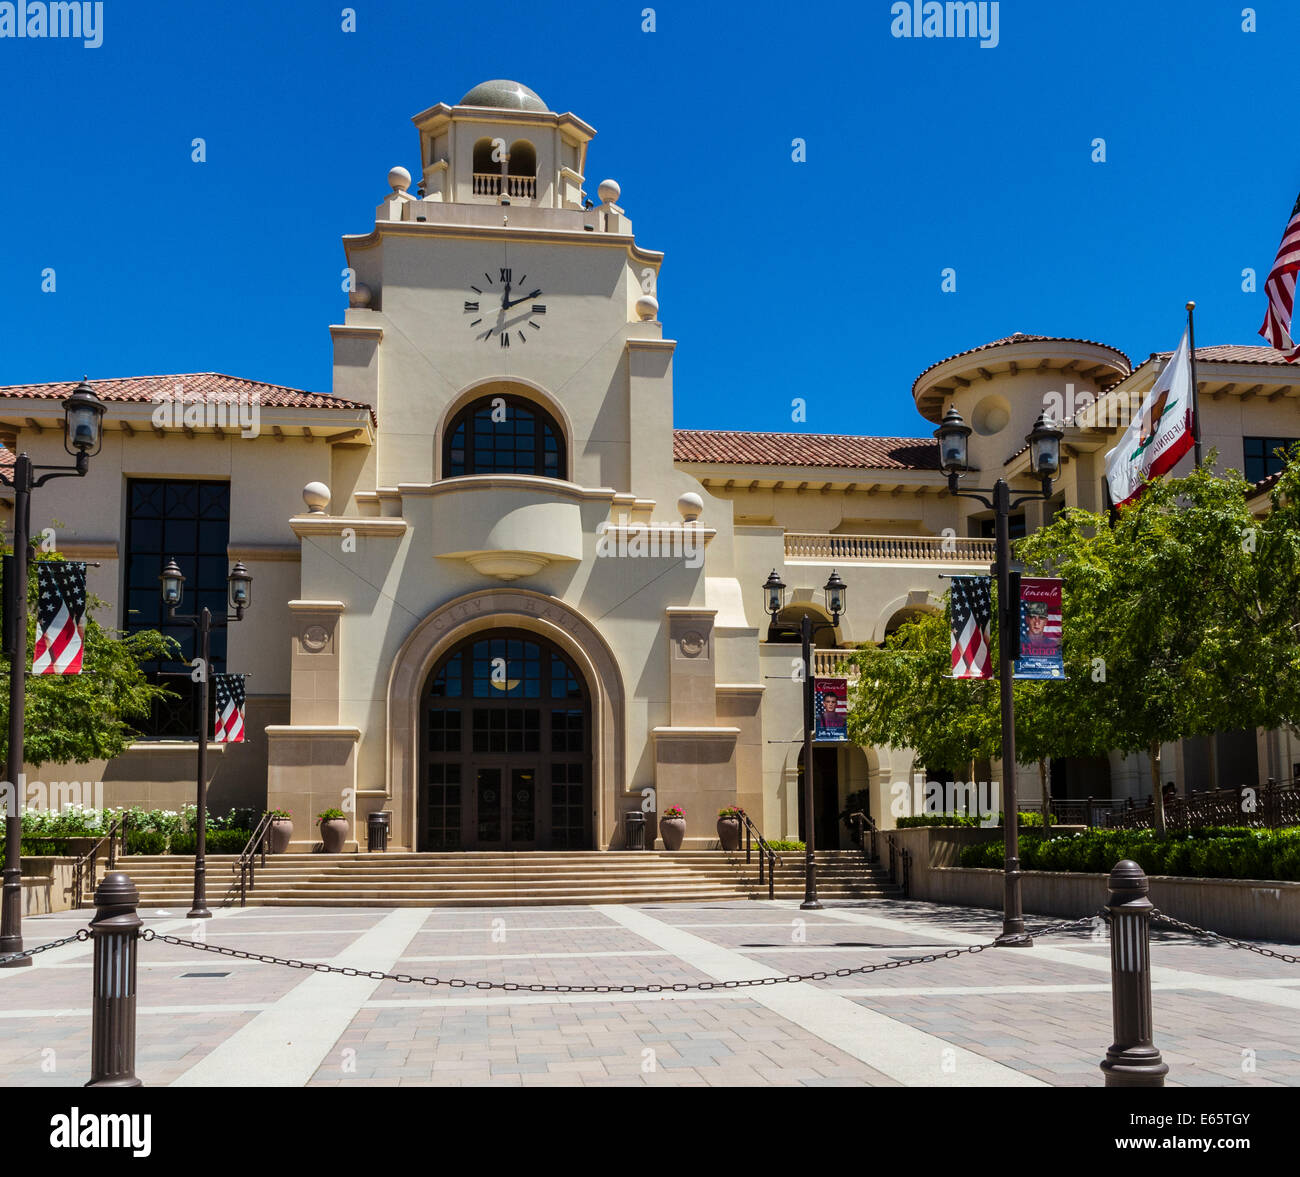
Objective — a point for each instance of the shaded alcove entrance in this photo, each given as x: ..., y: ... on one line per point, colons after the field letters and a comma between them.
x: 505, y: 748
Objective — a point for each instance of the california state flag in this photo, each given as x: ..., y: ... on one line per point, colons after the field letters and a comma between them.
x: 1157, y: 436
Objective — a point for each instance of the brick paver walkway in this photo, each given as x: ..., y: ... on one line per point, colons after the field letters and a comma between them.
x: 1027, y: 1017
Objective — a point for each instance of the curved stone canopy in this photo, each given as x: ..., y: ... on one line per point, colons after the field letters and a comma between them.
x: 503, y: 94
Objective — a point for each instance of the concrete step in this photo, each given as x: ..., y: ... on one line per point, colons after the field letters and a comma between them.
x: 514, y: 878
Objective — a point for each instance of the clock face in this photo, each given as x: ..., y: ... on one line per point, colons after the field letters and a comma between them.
x: 503, y: 307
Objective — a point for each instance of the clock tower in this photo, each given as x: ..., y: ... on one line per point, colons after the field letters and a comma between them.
x: 504, y: 638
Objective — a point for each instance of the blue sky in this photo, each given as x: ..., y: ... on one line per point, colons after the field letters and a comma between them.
x: 818, y: 279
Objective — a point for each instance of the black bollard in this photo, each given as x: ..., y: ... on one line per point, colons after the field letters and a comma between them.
x: 115, y: 929
x: 1132, y: 1060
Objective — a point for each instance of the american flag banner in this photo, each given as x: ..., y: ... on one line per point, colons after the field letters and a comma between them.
x: 1280, y: 287
x: 230, y: 708
x: 971, y: 612
x: 60, y: 617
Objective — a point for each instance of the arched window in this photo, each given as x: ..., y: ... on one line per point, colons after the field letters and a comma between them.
x: 523, y: 168
x: 503, y: 435
x: 487, y: 171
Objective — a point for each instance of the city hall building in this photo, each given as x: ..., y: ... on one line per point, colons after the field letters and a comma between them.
x: 496, y: 593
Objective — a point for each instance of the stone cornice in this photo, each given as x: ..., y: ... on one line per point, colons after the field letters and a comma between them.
x: 266, y: 553
x: 316, y: 606
x: 289, y: 731
x: 336, y: 524
x: 496, y: 233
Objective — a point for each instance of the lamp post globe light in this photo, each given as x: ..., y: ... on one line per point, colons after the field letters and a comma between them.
x: 774, y: 601
x: 83, y: 418
x: 239, y: 593
x: 1044, y: 442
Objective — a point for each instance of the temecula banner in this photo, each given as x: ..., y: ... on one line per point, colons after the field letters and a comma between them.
x: 831, y: 708
x: 1040, y: 629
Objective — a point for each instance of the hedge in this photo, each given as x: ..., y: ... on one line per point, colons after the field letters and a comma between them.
x: 218, y: 842
x: 1212, y: 853
x: 948, y: 819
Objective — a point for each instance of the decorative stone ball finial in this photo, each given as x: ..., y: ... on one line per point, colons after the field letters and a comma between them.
x: 647, y: 308
x: 689, y: 506
x: 608, y: 191
x: 399, y: 179
x: 361, y: 295
x: 317, y: 497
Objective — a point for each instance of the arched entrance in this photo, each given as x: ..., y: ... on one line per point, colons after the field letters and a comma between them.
x: 505, y: 747
x: 826, y: 796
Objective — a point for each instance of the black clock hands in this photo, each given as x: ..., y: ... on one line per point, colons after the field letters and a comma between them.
x: 508, y: 302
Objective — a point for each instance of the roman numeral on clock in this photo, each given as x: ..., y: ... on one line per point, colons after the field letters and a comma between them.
x: 505, y: 339
x: 505, y: 275
x: 539, y: 308
x: 471, y: 306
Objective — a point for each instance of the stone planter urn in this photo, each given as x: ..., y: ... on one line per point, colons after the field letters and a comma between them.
x: 729, y: 832
x: 279, y: 835
x: 672, y: 830
x: 333, y: 833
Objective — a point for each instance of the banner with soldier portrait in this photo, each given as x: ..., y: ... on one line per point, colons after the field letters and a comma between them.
x: 1040, y: 629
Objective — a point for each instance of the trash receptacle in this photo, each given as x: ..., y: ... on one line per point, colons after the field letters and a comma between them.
x: 634, y: 830
x: 377, y: 831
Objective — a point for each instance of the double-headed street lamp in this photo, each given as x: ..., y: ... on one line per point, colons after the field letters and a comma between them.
x: 835, y: 588
x: 83, y: 414
x: 240, y: 588
x: 1044, y: 461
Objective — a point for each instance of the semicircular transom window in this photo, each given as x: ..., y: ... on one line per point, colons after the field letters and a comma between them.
x: 504, y: 435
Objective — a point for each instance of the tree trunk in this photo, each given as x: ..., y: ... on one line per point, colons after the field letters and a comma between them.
x: 1047, y: 807
x: 1157, y: 796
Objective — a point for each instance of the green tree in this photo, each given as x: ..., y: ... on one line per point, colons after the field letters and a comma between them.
x: 1176, y: 620
x: 907, y: 698
x: 76, y: 718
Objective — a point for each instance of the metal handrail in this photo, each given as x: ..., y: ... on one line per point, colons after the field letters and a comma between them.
x: 247, y: 864
x: 765, y: 851
x: 900, y: 862
x: 89, y: 858
x: 865, y: 823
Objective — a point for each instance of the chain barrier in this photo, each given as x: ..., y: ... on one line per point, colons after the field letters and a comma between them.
x: 1159, y: 916
x: 515, y: 987
x: 80, y: 934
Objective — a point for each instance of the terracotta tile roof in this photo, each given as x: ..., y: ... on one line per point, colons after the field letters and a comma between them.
x: 729, y: 447
x: 1233, y: 353
x: 1264, y: 485
x: 146, y: 388
x: 1019, y: 337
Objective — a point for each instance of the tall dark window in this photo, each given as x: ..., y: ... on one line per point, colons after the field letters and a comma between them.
x: 1015, y: 527
x: 190, y: 523
x: 1261, y: 461
x: 503, y: 435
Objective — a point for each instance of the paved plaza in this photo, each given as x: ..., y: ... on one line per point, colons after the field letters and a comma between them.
x: 1223, y: 1017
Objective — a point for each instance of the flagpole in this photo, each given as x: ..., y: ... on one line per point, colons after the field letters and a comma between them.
x: 1196, y: 407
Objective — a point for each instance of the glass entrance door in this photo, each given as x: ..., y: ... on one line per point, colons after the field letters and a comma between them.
x: 505, y: 807
x: 506, y: 748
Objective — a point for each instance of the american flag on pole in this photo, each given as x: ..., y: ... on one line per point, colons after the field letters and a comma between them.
x: 230, y: 708
x: 1280, y: 288
x: 971, y: 611
x: 60, y: 617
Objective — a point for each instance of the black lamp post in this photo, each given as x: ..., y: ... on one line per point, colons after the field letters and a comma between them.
x: 774, y: 589
x: 240, y: 587
x: 1045, y: 461
x: 83, y: 414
